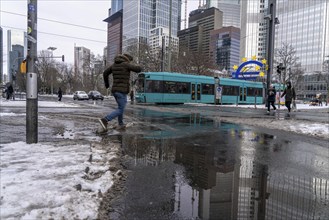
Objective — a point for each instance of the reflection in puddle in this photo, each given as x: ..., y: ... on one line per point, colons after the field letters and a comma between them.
x: 218, y: 171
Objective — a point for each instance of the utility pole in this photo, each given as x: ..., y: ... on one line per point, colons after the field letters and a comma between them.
x: 270, y: 40
x: 31, y: 82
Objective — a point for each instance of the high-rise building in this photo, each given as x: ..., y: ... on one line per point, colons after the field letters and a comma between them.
x: 81, y: 60
x: 114, y: 34
x: 225, y: 46
x: 304, y: 25
x: 158, y: 36
x: 230, y: 9
x: 16, y: 57
x: 253, y: 29
x: 197, y: 37
x: 116, y: 5
x: 139, y: 17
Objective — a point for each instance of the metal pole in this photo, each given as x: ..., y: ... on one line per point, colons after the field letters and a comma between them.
x: 51, y: 72
x: 271, y: 36
x: 31, y: 83
x: 169, y: 43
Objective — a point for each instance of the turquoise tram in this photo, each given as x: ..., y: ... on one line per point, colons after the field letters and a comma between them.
x: 168, y: 87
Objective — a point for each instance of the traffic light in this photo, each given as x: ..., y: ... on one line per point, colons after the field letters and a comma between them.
x: 23, y: 66
x: 279, y: 68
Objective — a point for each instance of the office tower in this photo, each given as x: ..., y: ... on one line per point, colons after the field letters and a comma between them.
x: 114, y: 31
x: 225, y: 47
x: 114, y: 35
x: 81, y: 61
x: 139, y: 17
x: 116, y: 5
x: 197, y: 37
x: 253, y: 29
x: 16, y: 57
x: 230, y: 9
x: 304, y: 25
x: 158, y: 37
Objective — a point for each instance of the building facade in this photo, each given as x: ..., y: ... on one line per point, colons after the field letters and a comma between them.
x: 159, y: 39
x: 231, y: 11
x: 197, y: 37
x: 304, y: 26
x: 253, y: 29
x: 139, y: 17
x: 81, y: 61
x: 114, y: 35
x: 225, y: 47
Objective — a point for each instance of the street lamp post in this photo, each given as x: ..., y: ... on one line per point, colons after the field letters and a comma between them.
x: 51, y: 75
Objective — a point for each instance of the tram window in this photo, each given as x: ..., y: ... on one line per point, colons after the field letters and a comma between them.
x: 207, y: 89
x: 254, y: 92
x: 153, y: 86
x: 230, y: 90
x: 176, y: 87
x: 140, y: 85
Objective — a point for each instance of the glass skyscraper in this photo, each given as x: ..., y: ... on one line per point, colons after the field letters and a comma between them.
x: 304, y: 24
x: 230, y: 9
x: 253, y: 28
x: 140, y: 16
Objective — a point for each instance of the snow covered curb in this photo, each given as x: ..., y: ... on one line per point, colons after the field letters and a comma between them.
x: 56, y: 180
x: 296, y: 126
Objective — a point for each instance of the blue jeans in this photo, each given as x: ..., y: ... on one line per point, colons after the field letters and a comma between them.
x: 121, y: 100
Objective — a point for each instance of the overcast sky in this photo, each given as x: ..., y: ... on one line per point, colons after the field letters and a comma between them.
x: 59, y: 24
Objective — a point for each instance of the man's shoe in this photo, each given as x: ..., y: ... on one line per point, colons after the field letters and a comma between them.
x: 103, y: 122
x: 121, y: 127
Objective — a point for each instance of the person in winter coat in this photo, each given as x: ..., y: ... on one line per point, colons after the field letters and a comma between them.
x: 271, y: 94
x: 290, y: 95
x: 9, y: 91
x: 60, y: 94
x: 120, y: 70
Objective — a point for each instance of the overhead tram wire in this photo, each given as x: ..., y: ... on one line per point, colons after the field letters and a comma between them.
x: 58, y: 35
x: 60, y: 22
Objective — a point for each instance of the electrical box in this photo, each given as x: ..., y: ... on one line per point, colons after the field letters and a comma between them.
x: 32, y: 86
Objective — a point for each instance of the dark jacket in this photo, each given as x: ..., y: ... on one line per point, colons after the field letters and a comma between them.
x: 10, y: 89
x: 271, y: 95
x: 60, y: 93
x: 289, y: 93
x: 121, y: 74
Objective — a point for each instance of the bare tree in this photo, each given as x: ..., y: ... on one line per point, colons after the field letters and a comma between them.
x: 194, y: 63
x: 47, y: 71
x: 324, y: 75
x: 65, y: 77
x: 287, y: 56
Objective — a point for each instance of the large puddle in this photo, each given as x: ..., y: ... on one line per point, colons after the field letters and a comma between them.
x: 190, y: 167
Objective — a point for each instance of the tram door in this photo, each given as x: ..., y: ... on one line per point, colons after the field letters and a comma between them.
x: 243, y: 94
x: 196, y: 92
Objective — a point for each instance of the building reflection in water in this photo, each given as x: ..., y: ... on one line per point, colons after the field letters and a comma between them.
x: 219, y: 178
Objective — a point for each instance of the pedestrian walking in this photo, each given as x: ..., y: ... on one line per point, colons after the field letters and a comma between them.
x: 60, y: 94
x: 290, y: 95
x: 271, y: 95
x: 9, y: 91
x: 121, y: 70
x: 132, y: 96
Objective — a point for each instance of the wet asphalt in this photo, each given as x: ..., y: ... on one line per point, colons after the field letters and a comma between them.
x: 183, y: 165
